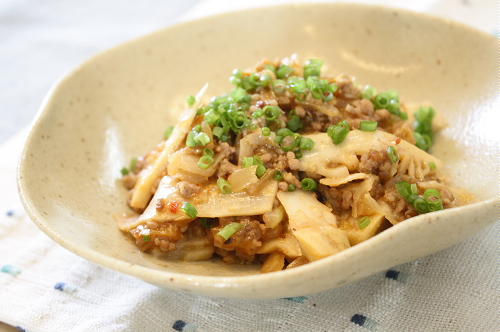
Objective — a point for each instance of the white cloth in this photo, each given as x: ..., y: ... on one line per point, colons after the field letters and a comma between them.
x: 45, y: 288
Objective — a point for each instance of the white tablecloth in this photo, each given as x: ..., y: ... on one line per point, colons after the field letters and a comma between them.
x: 43, y: 287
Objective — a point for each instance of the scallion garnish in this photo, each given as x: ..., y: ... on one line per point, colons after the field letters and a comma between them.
x: 168, y: 132
x: 279, y: 86
x: 229, y: 230
x: 278, y: 176
x: 266, y: 131
x: 368, y: 125
x: 189, y: 210
x: 205, y: 161
x: 133, y: 165
x: 283, y: 71
x: 291, y: 187
x: 393, y: 154
x: 298, y: 86
x: 369, y: 92
x: 364, y: 222
x: 312, y: 68
x: 306, y: 144
x: 272, y: 113
x: 191, y: 100
x: 224, y: 186
x: 261, y: 169
x: 431, y: 200
x: 309, y: 184
x: 432, y: 166
x: 338, y: 132
x: 423, y: 127
x: 389, y: 100
x: 294, y: 123
x: 124, y: 171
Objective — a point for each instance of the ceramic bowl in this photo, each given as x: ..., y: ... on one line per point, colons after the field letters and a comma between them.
x: 116, y: 106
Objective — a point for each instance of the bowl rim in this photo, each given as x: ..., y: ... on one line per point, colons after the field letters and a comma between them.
x: 201, y: 283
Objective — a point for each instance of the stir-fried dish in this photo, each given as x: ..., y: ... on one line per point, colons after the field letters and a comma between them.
x: 289, y: 167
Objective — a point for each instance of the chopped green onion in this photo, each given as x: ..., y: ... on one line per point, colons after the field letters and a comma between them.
x: 208, y: 152
x: 284, y: 71
x: 298, y: 154
x: 284, y: 132
x: 309, y: 184
x: 364, y: 222
x: 197, y: 138
x: 368, y: 125
x: 294, y: 123
x: 191, y: 100
x: 247, y: 162
x: 298, y: 87
x: 279, y: 86
x: 278, y: 176
x: 255, y: 161
x: 393, y: 154
x: 432, y: 166
x: 369, y: 92
x: 420, y: 205
x: 270, y: 67
x: 321, y: 89
x: 124, y: 171
x: 207, y: 222
x: 389, y: 100
x: 146, y: 238
x: 189, y: 210
x: 168, y: 132
x: 202, y: 139
x: 229, y: 230
x: 266, y: 131
x: 306, y: 143
x: 429, y: 193
x: 224, y: 186
x: 423, y: 127
x: 290, y: 142
x: 205, y: 161
x: 434, y: 204
x: 404, y: 189
x: 338, y: 132
x: 261, y: 169
x: 413, y: 189
x: 291, y: 187
x: 272, y: 113
x: 423, y: 141
x: 133, y: 165
x: 312, y: 68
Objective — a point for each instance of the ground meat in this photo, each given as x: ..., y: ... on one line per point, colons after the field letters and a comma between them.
x: 129, y: 181
x: 226, y: 168
x: 378, y: 163
x: 346, y: 87
x: 291, y: 179
x: 187, y: 189
x: 346, y: 199
x: 245, y: 242
x: 293, y: 163
x: 382, y: 115
x: 225, y: 149
x: 283, y: 186
x: 339, y: 200
x: 300, y: 111
x: 161, y: 235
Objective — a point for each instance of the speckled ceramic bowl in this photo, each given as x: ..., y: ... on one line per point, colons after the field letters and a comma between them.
x: 117, y: 104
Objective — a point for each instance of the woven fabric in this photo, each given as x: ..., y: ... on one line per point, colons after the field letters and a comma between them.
x: 45, y: 288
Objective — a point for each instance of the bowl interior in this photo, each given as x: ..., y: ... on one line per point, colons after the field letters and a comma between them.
x: 117, y: 105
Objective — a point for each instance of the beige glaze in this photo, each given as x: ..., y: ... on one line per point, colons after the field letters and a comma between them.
x: 117, y: 105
